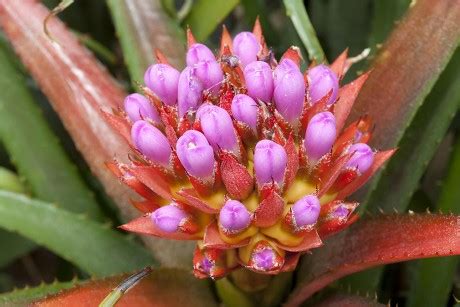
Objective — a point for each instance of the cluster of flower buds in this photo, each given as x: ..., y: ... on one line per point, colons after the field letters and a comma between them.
x: 245, y: 154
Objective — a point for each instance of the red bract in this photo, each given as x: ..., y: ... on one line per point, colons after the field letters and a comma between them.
x: 375, y: 241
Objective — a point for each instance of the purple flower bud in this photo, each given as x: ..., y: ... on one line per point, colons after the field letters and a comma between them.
x: 320, y: 135
x: 168, y: 218
x: 306, y: 211
x: 321, y: 80
x: 264, y: 259
x: 270, y: 160
x: 151, y: 142
x: 206, y: 265
x: 259, y: 80
x: 340, y: 212
x: 362, y: 157
x: 289, y: 93
x: 218, y: 127
x: 138, y: 107
x: 210, y: 74
x: 245, y: 109
x: 197, y: 53
x: 286, y: 65
x: 195, y: 154
x: 234, y: 217
x: 163, y: 79
x: 246, y: 47
x: 190, y: 92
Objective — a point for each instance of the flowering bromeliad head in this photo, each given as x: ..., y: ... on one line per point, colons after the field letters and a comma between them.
x: 244, y: 154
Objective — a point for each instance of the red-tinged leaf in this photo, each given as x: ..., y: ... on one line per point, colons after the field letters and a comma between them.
x: 338, y: 66
x: 311, y: 240
x: 154, y: 179
x: 379, y: 159
x: 347, y: 300
x: 236, y: 178
x: 347, y: 97
x: 212, y: 239
x: 119, y: 124
x: 163, y: 287
x: 293, y: 54
x: 161, y: 58
x: 331, y: 175
x: 290, y: 263
x: 226, y: 41
x: 269, y: 210
x: 145, y: 206
x: 190, y: 38
x: 375, y: 241
x: 257, y: 31
x: 398, y: 83
x: 331, y: 223
x: 190, y: 197
x: 292, y: 162
x: 144, y: 225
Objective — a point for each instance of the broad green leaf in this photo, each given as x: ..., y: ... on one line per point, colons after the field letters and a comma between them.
x: 13, y: 246
x: 26, y: 295
x: 295, y: 9
x: 434, y: 277
x: 94, y: 248
x: 142, y: 27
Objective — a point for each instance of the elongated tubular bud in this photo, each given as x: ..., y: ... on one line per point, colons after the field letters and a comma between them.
x: 210, y: 74
x: 168, y: 218
x: 197, y: 53
x: 163, y: 80
x: 151, y: 142
x: 190, y: 92
x: 320, y: 135
x: 246, y: 47
x: 137, y: 107
x: 245, y: 109
x: 362, y: 157
x: 195, y: 154
x: 218, y: 127
x: 270, y: 160
x: 259, y: 80
x: 234, y: 217
x: 321, y: 80
x: 305, y: 211
x: 289, y: 93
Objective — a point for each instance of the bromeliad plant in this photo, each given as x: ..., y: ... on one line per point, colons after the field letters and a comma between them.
x: 244, y: 154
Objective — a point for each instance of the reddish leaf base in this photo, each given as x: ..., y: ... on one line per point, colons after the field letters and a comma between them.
x: 377, y: 241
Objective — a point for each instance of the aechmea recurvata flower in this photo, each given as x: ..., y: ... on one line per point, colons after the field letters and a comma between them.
x: 137, y: 107
x: 257, y: 168
x: 163, y: 80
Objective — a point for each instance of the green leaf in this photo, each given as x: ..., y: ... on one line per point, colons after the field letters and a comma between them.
x: 434, y: 277
x: 33, y: 147
x: 295, y: 9
x: 142, y: 27
x: 23, y: 296
x: 206, y: 15
x: 96, y: 249
x: 13, y: 246
x: 231, y: 296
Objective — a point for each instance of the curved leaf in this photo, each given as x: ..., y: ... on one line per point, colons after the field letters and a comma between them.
x: 23, y: 296
x: 142, y: 27
x: 375, y: 241
x: 78, y: 88
x: 94, y: 248
x: 164, y: 287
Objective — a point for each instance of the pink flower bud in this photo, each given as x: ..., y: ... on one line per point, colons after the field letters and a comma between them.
x: 195, y: 154
x: 197, y: 53
x: 168, y: 218
x: 321, y: 80
x: 306, y: 211
x: 163, y: 79
x: 218, y: 127
x: 259, y: 80
x: 190, y: 92
x: 151, y: 142
x: 246, y: 47
x: 270, y: 160
x: 362, y: 157
x: 234, y: 217
x: 289, y: 93
x: 320, y: 135
x: 210, y: 74
x: 264, y: 259
x: 245, y: 109
x: 138, y: 107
